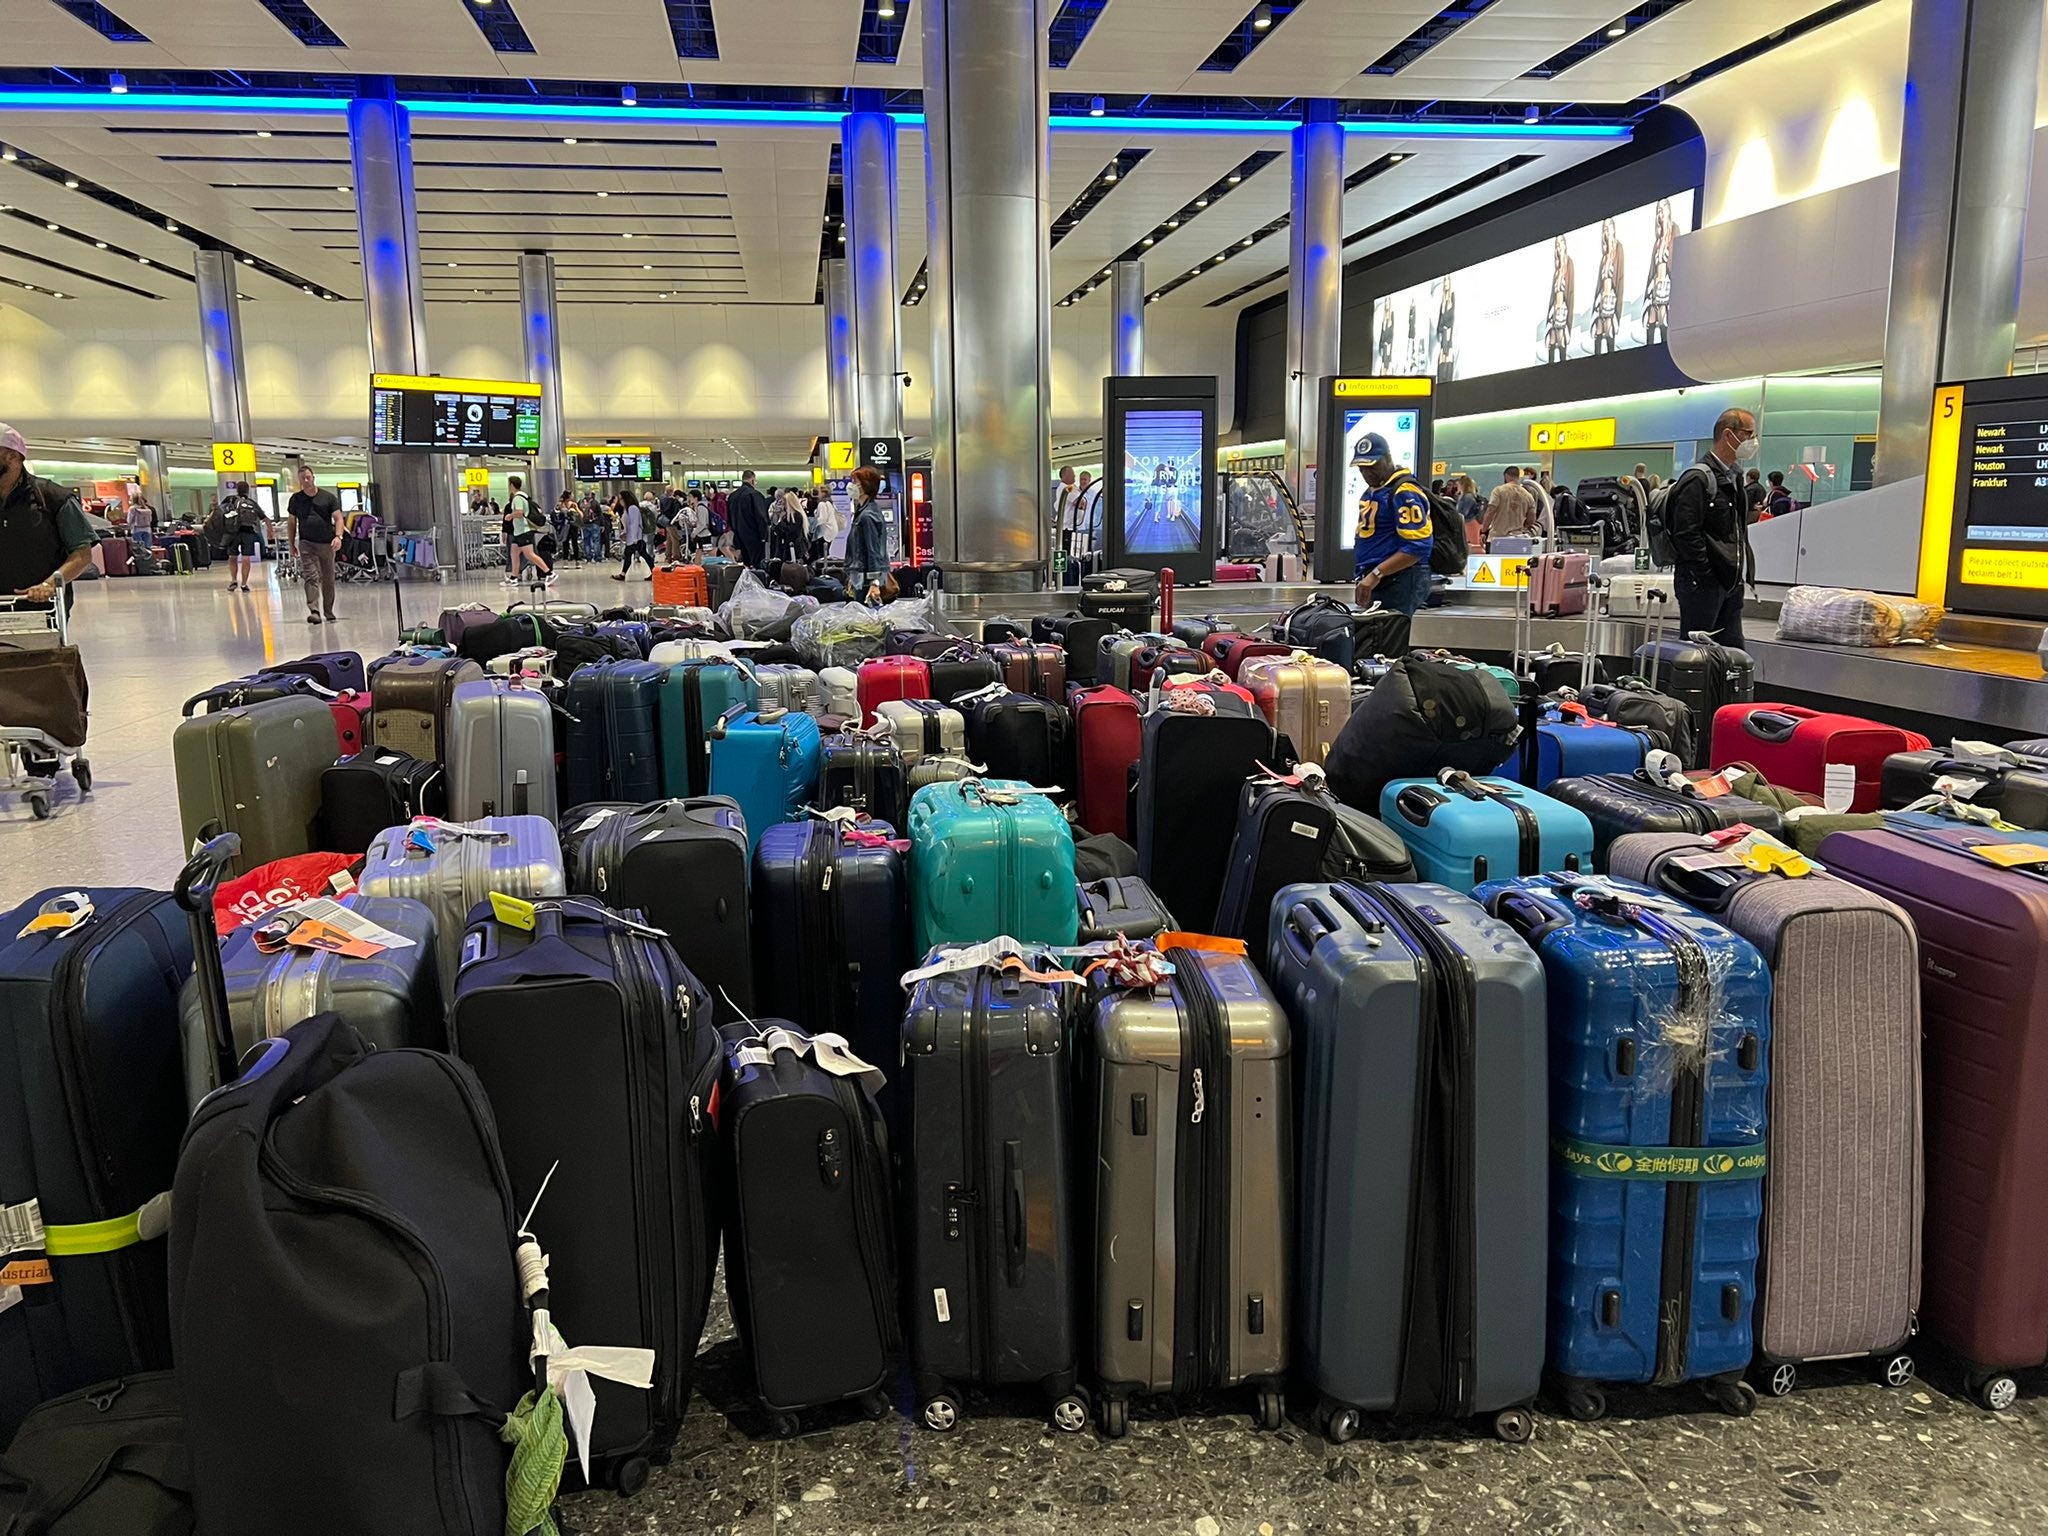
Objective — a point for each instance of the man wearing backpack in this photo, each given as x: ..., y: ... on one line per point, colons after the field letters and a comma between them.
x: 1697, y: 528
x: 1396, y: 530
x: 45, y: 541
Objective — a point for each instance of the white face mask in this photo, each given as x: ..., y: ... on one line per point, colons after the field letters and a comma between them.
x: 1747, y: 452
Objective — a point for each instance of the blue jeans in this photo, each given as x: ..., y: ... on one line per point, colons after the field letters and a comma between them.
x: 590, y: 533
x: 1405, y: 590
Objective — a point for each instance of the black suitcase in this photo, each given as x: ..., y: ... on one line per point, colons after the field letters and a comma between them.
x: 2016, y: 790
x: 1703, y: 677
x: 859, y: 771
x: 990, y: 1254
x: 833, y: 933
x: 1618, y: 804
x: 1190, y: 771
x: 1121, y: 904
x: 810, y: 1253
x: 683, y: 863
x: 1125, y: 596
x: 995, y: 631
x: 961, y: 671
x: 1282, y: 838
x: 1018, y: 736
x: 1080, y: 637
x: 597, y: 1052
x: 378, y: 787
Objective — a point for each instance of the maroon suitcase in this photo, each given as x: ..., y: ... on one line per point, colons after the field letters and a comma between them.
x: 1171, y: 659
x: 114, y: 555
x: 1106, y: 743
x: 1984, y: 1020
x: 1034, y: 668
x: 1231, y: 651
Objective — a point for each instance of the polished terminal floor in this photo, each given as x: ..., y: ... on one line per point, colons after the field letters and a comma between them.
x: 1841, y: 1455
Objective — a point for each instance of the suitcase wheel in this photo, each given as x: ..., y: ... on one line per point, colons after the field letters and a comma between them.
x: 941, y: 1414
x: 1582, y: 1400
x: 1777, y: 1380
x: 875, y: 1405
x: 1272, y: 1410
x: 1897, y: 1371
x: 1517, y: 1426
x: 630, y: 1476
x: 1070, y: 1414
x: 783, y: 1425
x: 1735, y: 1398
x: 1995, y: 1390
x: 1340, y: 1424
x: 1113, y: 1414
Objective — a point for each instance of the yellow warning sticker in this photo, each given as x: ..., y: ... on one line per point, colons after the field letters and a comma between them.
x: 1484, y: 577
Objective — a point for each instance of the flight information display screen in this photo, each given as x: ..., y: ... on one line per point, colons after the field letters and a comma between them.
x: 454, y: 415
x: 615, y: 463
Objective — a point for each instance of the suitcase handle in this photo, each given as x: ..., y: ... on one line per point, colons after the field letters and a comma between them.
x: 1534, y: 918
x: 1307, y: 926
x: 194, y: 891
x: 1013, y: 1213
x: 1773, y: 725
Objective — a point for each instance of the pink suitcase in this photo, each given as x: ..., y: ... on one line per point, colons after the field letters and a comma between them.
x: 1231, y: 571
x: 351, y: 720
x: 1557, y: 585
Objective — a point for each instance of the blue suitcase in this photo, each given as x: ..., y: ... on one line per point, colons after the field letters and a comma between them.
x: 693, y: 696
x: 990, y: 857
x: 768, y: 761
x: 583, y: 746
x: 635, y: 633
x: 1464, y: 831
x: 1660, y: 1024
x: 1571, y: 748
x: 632, y: 711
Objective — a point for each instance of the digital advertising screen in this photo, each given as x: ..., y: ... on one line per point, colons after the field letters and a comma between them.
x: 1161, y: 451
x: 610, y: 463
x: 1401, y: 410
x: 1984, y: 528
x: 1401, y: 429
x: 454, y: 415
x: 1603, y: 288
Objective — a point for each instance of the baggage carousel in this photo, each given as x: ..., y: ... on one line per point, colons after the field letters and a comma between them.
x: 1983, y: 676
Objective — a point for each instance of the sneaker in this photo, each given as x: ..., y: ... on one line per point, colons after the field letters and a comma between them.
x: 312, y: 618
x: 550, y: 581
x: 332, y: 619
x: 617, y: 577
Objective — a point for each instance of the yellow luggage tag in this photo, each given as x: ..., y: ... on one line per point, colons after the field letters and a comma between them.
x: 70, y: 910
x: 2011, y: 855
x: 1767, y: 856
x: 512, y: 912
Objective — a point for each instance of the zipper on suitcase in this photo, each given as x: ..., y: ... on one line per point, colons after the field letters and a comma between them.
x: 1202, y: 1310
x: 870, y: 1211
x: 641, y: 995
x: 1688, y: 1128
x: 1697, y: 817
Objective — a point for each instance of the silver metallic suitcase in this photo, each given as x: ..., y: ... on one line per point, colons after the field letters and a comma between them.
x: 923, y: 728
x: 838, y: 694
x: 501, y: 750
x: 1190, y: 1097
x: 786, y: 686
x: 451, y: 866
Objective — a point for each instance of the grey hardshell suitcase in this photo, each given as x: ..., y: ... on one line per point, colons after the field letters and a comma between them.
x: 452, y: 866
x: 1189, y: 1096
x: 392, y: 999
x: 949, y: 769
x: 923, y: 728
x: 1839, y: 1275
x: 501, y: 751
x: 787, y: 686
x: 1422, y: 1086
x: 255, y: 770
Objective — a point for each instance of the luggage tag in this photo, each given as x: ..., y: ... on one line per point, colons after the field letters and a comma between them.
x: 60, y: 914
x: 512, y: 912
x: 1958, y: 787
x: 2011, y: 855
x: 595, y: 820
x: 1838, y: 787
x: 1763, y: 853
x: 326, y: 938
x: 351, y: 923
x: 23, y: 1261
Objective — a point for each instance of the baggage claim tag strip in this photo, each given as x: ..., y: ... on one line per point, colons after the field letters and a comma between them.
x: 1684, y: 1165
x: 22, y: 1259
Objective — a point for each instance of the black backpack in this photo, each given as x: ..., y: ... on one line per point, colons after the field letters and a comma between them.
x: 1422, y: 716
x: 1448, y: 550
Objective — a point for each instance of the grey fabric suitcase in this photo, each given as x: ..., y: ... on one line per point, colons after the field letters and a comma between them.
x: 501, y: 751
x: 1424, y: 1211
x: 923, y: 728
x: 453, y: 866
x: 786, y: 686
x: 1839, y: 1275
x: 410, y: 700
x: 394, y: 998
x: 255, y: 770
x: 1189, y: 1096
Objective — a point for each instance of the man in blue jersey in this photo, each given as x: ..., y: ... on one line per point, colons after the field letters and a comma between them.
x: 1394, y: 530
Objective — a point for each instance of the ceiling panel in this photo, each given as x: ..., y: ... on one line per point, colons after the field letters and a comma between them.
x: 1322, y: 47
x: 1660, y: 51
x: 1500, y: 44
x: 1150, y: 45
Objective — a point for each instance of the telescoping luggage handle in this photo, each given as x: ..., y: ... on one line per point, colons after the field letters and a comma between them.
x: 194, y: 891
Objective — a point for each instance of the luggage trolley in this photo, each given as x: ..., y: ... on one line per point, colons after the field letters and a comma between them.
x: 33, y: 752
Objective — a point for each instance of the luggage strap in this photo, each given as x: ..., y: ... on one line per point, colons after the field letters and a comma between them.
x: 1681, y: 1165
x: 78, y: 1239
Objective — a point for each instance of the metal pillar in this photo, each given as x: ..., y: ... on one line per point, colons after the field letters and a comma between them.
x: 1127, y: 319
x: 220, y: 344
x: 867, y: 154
x: 416, y: 493
x: 840, y: 388
x: 1315, y: 284
x: 544, y: 367
x: 1966, y: 156
x: 990, y: 288
x: 154, y: 471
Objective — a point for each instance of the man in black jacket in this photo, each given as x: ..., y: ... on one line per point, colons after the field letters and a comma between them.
x: 747, y: 511
x: 1703, y: 511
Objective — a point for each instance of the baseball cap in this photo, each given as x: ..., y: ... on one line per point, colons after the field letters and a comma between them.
x: 1371, y: 449
x: 9, y: 438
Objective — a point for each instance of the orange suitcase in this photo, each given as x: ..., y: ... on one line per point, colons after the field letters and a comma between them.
x: 681, y: 586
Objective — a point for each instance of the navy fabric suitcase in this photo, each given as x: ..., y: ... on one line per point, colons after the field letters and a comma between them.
x: 1282, y: 838
x: 1191, y: 768
x: 339, y: 670
x: 92, y: 1101
x: 1573, y: 748
x: 1660, y: 1023
x: 1464, y: 830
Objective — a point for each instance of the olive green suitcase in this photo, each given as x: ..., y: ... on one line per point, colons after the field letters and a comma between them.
x: 255, y: 770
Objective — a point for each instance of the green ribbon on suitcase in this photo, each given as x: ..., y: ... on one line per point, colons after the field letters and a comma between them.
x: 1688, y: 1165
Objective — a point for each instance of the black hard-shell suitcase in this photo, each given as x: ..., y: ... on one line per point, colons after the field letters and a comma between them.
x: 1282, y: 838
x: 1080, y: 637
x: 1017, y: 736
x: 1191, y: 768
x: 376, y: 788
x: 2016, y: 790
x: 1703, y: 677
x: 810, y: 1252
x: 683, y: 864
x: 92, y: 1103
x: 597, y: 1052
x: 1120, y: 904
x: 989, y: 1247
x: 859, y: 771
x: 1618, y: 804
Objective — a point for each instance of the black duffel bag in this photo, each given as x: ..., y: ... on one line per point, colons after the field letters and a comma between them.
x: 1423, y: 716
x: 1635, y: 704
x: 107, y: 1459
x: 1339, y: 632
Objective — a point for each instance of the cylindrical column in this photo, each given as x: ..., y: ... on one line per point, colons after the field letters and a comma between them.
x: 867, y: 155
x: 544, y: 367
x: 990, y: 286
x: 840, y: 388
x: 220, y: 345
x: 1315, y: 283
x: 1127, y: 319
x: 154, y: 471
x: 1966, y: 154
x: 416, y: 497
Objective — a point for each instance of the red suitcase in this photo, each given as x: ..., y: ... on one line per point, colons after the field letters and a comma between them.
x: 1227, y: 570
x: 1231, y: 651
x: 1792, y: 747
x: 1171, y: 659
x: 1984, y: 1067
x: 114, y: 556
x: 892, y: 677
x: 351, y: 720
x: 1106, y: 742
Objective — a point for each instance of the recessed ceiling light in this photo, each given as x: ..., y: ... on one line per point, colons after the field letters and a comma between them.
x: 8, y: 154
x: 1248, y: 239
x: 1201, y: 202
x: 1173, y: 223
x: 262, y: 133
x: 648, y: 267
x: 1533, y: 115
x: 71, y: 182
x: 1262, y: 18
x: 341, y: 189
x: 99, y: 245
x: 1095, y: 106
x: 1110, y: 174
x: 171, y: 225
x: 453, y: 265
x: 629, y: 96
x: 885, y: 9
x: 604, y: 194
x: 55, y: 294
x: 51, y: 227
x: 1148, y: 240
x: 143, y: 259
x: 1235, y: 178
x: 248, y: 261
x: 625, y: 234
x: 1619, y: 29
x: 568, y: 141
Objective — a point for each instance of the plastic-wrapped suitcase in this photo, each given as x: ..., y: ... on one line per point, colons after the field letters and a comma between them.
x: 1018, y: 736
x: 501, y: 751
x: 338, y: 670
x: 838, y: 693
x: 597, y: 1052
x: 1423, y: 1094
x: 1107, y: 735
x: 991, y: 1257
x: 766, y: 762
x: 833, y: 933
x: 1189, y: 1102
x: 411, y: 698
x: 683, y: 865
x: 1618, y: 804
x: 693, y: 695
x: 988, y: 858
x: 891, y: 677
x: 92, y: 1093
x: 1284, y: 827
x: 1571, y: 746
x: 1658, y: 1109
x: 810, y: 1254
x: 784, y: 685
x: 669, y: 652
x: 1464, y: 831
x: 1984, y: 1005
x: 923, y: 728
x: 1840, y: 1272
x: 1032, y: 668
x: 868, y: 775
x: 1121, y: 905
x: 451, y: 866
x: 1307, y: 699
x: 255, y: 771
x: 376, y: 788
x: 1197, y: 747
x: 1231, y: 654
x: 1794, y: 747
x: 1702, y: 676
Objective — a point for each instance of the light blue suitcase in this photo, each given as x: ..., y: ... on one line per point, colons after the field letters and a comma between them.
x: 990, y: 857
x: 768, y: 761
x: 1464, y: 830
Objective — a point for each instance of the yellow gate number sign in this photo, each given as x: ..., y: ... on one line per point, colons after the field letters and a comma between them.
x: 840, y: 458
x: 234, y: 458
x: 476, y: 478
